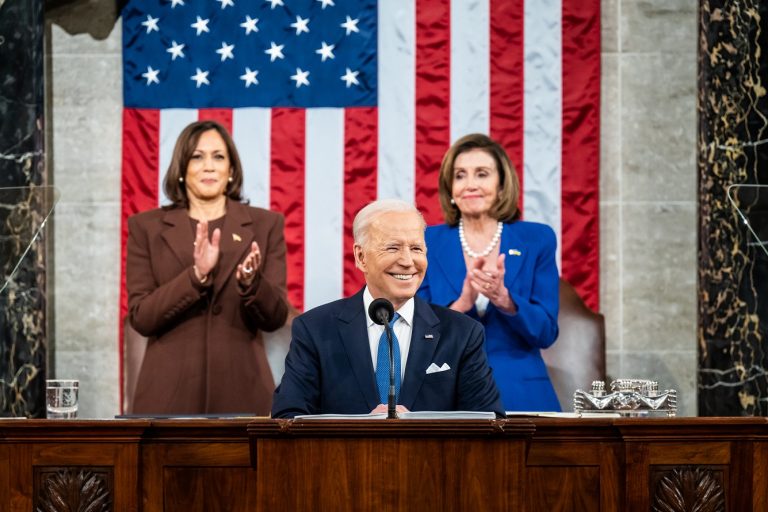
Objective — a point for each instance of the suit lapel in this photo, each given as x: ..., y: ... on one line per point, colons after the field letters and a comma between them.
x: 515, y: 252
x: 236, y: 236
x: 425, y: 335
x: 450, y: 259
x: 179, y: 235
x: 353, y: 331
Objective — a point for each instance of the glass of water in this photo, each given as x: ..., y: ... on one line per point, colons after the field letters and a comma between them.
x: 61, y: 399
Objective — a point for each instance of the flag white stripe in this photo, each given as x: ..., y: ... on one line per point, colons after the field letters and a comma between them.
x: 542, y: 116
x: 470, y: 68
x: 172, y: 122
x: 251, y: 132
x: 323, y: 206
x: 397, y: 100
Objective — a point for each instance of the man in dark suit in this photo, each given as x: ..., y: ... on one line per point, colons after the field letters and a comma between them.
x: 335, y: 355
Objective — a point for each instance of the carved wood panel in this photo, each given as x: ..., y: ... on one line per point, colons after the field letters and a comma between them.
x: 73, y: 489
x: 688, y: 488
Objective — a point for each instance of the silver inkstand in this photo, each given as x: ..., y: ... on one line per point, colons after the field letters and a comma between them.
x: 627, y: 397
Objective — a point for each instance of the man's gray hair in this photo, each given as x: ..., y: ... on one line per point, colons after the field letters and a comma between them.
x: 365, y: 217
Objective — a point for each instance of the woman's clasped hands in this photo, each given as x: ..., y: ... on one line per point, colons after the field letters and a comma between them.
x: 488, y: 281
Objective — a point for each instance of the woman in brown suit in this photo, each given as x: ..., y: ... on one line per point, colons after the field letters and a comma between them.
x: 204, y: 276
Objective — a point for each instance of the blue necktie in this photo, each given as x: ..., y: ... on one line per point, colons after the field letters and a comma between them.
x: 382, y: 364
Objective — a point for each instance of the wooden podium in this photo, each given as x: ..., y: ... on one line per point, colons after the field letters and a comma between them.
x: 390, y: 464
x: 251, y: 464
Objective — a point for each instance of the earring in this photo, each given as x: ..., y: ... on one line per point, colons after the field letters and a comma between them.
x: 231, y: 179
x: 452, y: 201
x: 181, y: 179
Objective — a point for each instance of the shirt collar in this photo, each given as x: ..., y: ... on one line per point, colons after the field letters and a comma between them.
x: 406, y: 310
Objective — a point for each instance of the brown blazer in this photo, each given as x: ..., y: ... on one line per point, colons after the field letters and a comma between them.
x: 205, y: 353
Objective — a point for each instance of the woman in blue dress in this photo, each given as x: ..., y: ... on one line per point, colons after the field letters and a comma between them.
x: 486, y: 262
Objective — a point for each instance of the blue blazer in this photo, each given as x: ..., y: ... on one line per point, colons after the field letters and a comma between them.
x: 513, y: 342
x: 328, y: 368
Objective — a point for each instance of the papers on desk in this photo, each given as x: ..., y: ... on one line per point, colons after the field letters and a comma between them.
x: 550, y: 414
x: 447, y: 415
x: 377, y: 416
x: 410, y: 415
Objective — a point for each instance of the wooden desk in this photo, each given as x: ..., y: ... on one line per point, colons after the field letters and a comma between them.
x: 259, y: 464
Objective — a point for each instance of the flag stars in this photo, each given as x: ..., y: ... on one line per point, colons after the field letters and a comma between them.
x: 301, y: 25
x: 225, y: 3
x: 226, y: 51
x: 351, y: 25
x: 174, y: 3
x: 176, y: 50
x: 151, y: 75
x: 201, y: 77
x: 201, y: 25
x: 325, y: 51
x: 275, y: 51
x: 326, y: 3
x: 250, y: 77
x: 350, y: 77
x: 301, y: 77
x: 275, y: 3
x: 250, y: 25
x: 151, y: 24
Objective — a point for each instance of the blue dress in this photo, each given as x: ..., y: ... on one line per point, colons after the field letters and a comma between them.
x: 513, y: 342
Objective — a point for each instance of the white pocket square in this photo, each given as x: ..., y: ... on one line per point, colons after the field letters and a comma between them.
x: 433, y: 368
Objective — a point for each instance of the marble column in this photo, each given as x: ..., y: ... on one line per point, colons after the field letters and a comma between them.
x: 733, y: 149
x: 22, y: 302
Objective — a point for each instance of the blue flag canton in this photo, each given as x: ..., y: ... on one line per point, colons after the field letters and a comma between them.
x: 249, y: 53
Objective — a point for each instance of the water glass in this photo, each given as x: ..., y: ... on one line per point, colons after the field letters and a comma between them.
x: 61, y: 399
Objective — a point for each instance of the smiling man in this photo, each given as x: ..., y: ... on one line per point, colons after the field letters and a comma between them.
x: 337, y: 351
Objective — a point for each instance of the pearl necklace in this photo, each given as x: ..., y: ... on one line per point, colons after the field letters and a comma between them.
x: 488, y: 249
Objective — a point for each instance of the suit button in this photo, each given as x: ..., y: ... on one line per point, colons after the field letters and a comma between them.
x: 216, y: 309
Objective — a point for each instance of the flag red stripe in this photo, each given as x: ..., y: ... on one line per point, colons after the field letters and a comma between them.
x: 506, y: 88
x: 287, y: 191
x: 581, y: 148
x: 141, y: 157
x: 360, y: 162
x: 223, y: 116
x: 433, y: 74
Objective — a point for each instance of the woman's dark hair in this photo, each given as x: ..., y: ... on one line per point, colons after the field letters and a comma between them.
x: 176, y: 189
x: 505, y: 208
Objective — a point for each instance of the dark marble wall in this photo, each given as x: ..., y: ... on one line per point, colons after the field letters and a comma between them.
x: 733, y: 149
x: 22, y: 302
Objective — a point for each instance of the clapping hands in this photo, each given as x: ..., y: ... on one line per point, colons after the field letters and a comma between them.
x: 246, y: 271
x: 489, y: 282
x: 206, y: 252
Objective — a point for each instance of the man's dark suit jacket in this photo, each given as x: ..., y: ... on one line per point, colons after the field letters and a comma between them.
x: 329, y: 369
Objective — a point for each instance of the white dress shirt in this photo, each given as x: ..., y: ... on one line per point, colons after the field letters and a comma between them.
x: 402, y: 329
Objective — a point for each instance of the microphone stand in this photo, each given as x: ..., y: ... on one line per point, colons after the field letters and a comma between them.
x: 381, y: 312
x: 391, y: 410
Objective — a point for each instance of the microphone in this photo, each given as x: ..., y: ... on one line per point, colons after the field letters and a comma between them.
x: 381, y: 312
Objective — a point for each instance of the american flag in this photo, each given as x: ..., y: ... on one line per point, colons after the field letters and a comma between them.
x: 334, y: 103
